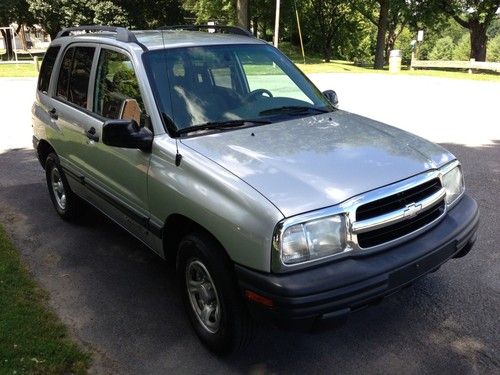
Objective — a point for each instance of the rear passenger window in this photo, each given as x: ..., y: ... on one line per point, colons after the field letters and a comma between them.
x: 222, y: 77
x: 46, y: 70
x: 74, y: 76
x: 117, y: 94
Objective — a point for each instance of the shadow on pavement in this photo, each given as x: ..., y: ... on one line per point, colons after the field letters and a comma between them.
x: 120, y: 299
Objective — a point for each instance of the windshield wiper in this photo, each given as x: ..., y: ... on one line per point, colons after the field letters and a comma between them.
x: 293, y: 109
x: 222, y: 125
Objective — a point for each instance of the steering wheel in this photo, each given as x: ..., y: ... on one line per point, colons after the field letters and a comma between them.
x: 252, y: 95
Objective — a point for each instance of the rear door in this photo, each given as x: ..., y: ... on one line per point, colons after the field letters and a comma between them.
x: 69, y: 110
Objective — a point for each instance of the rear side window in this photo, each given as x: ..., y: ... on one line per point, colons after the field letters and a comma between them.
x: 74, y: 76
x: 46, y: 69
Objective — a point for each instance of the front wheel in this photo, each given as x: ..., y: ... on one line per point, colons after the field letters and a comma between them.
x: 210, y: 297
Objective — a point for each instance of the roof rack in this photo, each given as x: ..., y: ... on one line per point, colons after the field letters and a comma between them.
x: 122, y: 34
x: 223, y: 29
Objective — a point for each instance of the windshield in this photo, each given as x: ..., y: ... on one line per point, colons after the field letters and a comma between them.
x: 212, y: 86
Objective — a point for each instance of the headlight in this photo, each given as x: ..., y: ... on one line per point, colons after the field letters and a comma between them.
x: 311, y: 240
x: 453, y: 183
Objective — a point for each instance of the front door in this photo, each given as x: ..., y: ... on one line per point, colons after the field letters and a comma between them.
x: 114, y: 179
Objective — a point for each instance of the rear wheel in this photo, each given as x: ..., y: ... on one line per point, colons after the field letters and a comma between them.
x: 66, y: 203
x: 210, y: 297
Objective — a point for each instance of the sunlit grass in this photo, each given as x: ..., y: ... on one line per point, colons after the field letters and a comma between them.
x: 32, y: 339
x: 18, y: 70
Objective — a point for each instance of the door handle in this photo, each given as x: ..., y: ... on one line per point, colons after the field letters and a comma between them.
x: 91, y: 134
x: 53, y: 114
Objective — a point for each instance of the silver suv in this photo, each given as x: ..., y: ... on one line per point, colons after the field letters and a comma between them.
x: 214, y: 150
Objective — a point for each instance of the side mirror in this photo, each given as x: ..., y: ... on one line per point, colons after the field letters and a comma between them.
x: 126, y: 134
x: 332, y: 97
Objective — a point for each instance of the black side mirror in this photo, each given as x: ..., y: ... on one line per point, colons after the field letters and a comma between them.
x: 126, y: 134
x: 332, y: 97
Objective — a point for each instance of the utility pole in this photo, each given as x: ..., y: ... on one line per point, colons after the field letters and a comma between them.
x: 277, y: 24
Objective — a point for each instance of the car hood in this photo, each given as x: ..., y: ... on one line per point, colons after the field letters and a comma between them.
x: 319, y: 161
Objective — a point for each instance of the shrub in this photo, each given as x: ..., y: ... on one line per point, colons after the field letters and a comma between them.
x: 443, y: 49
x: 493, y: 49
x: 462, y: 49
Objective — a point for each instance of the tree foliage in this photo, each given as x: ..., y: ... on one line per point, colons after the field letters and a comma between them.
x: 53, y: 15
x: 473, y: 15
x: 360, y: 30
x: 443, y: 49
x: 494, y: 49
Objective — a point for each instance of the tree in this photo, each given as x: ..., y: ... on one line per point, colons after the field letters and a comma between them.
x: 473, y: 15
x: 223, y: 11
x: 390, y: 17
x: 108, y: 13
x: 330, y: 21
x: 262, y: 15
x: 13, y: 11
x: 53, y: 15
x: 476, y: 16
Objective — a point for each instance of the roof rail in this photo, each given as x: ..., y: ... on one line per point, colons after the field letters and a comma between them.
x: 223, y: 29
x: 122, y: 34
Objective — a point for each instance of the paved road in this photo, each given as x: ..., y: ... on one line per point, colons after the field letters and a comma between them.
x: 120, y: 300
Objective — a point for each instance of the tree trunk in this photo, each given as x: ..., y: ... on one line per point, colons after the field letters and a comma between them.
x: 383, y: 21
x: 22, y: 34
x: 478, y: 39
x: 7, y: 38
x: 327, y: 45
x: 255, y: 25
x: 242, y: 13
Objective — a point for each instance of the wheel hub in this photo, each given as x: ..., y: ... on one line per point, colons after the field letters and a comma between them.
x: 203, y: 296
x: 58, y: 188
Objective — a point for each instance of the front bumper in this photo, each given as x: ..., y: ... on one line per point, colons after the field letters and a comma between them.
x: 329, y: 291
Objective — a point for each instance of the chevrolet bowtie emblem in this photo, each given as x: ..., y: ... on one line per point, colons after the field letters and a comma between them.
x: 412, y: 210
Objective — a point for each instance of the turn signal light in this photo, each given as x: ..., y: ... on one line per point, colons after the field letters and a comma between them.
x: 261, y: 300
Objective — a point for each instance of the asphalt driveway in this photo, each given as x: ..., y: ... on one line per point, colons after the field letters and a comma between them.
x: 120, y: 300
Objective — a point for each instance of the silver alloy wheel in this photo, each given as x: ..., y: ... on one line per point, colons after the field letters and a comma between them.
x: 203, y: 295
x: 58, y: 188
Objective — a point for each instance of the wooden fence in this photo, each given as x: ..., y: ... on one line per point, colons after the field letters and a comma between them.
x: 469, y: 65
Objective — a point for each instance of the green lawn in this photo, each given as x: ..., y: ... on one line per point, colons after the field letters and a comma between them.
x: 349, y: 67
x: 32, y: 339
x: 314, y: 65
x: 18, y: 70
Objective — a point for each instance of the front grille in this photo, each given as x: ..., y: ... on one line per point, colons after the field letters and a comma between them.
x: 397, y: 201
x: 394, y: 231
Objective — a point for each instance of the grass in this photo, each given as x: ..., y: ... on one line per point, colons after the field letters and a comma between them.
x: 32, y: 339
x: 314, y: 65
x: 349, y: 67
x: 18, y: 70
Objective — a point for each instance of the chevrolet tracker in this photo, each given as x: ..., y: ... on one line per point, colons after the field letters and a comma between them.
x: 215, y: 151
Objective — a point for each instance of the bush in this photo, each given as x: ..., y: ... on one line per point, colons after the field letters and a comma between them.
x: 462, y: 49
x: 443, y: 49
x: 493, y: 49
x: 403, y: 43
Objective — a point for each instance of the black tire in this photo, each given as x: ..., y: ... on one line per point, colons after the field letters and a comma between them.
x: 235, y: 327
x: 72, y: 206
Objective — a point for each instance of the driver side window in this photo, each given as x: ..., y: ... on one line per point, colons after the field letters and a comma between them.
x: 117, y: 94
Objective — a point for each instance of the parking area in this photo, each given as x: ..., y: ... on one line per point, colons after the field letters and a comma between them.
x: 120, y: 300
